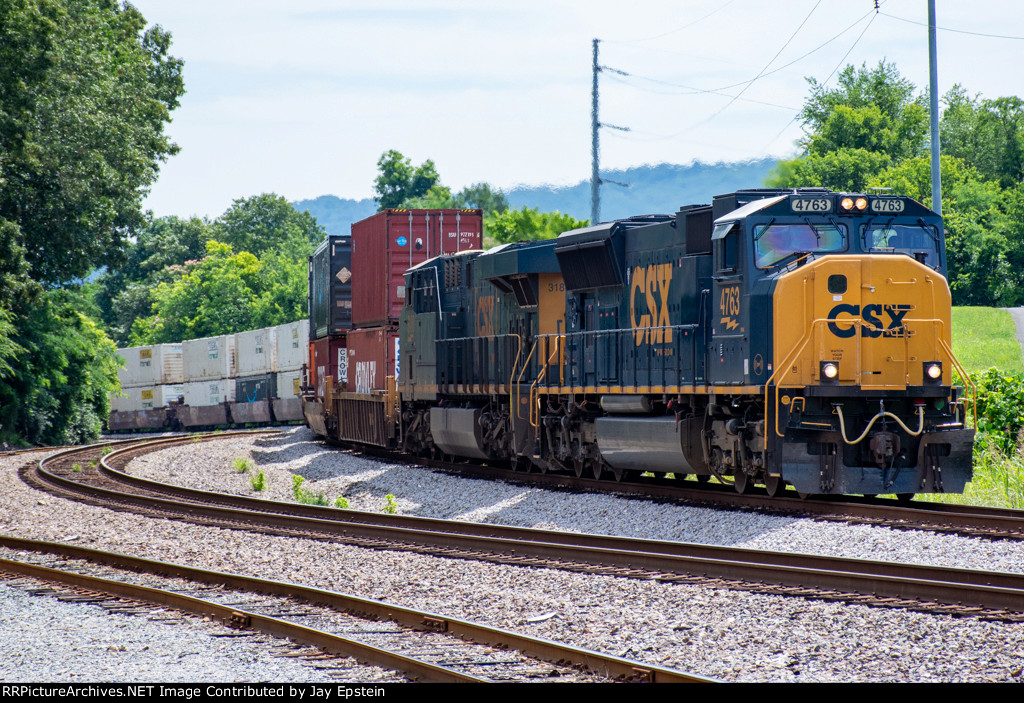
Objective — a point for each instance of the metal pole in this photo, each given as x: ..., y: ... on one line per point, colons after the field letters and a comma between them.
x: 933, y: 72
x: 595, y: 177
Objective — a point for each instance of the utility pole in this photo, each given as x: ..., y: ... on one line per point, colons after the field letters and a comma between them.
x: 933, y: 77
x: 595, y: 171
x: 595, y: 145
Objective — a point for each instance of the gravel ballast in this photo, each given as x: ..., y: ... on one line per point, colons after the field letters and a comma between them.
x: 731, y: 635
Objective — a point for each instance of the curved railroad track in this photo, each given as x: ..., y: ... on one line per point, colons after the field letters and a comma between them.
x: 420, y: 645
x: 992, y: 595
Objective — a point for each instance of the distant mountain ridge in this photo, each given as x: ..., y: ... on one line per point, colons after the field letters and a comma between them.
x: 651, y: 189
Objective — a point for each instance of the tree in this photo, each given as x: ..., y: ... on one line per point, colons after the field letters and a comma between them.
x: 398, y: 181
x: 529, y: 224
x: 224, y: 293
x: 867, y: 123
x: 85, y: 93
x: 265, y: 222
x: 482, y: 196
x: 987, y: 134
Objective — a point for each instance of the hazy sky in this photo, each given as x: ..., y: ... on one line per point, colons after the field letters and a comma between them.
x: 301, y: 98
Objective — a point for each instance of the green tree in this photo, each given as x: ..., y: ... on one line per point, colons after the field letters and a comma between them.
x: 57, y: 393
x: 224, y: 293
x: 265, y: 222
x: 987, y: 134
x: 482, y: 196
x: 398, y: 181
x: 871, y: 120
x: 85, y: 93
x: 529, y: 224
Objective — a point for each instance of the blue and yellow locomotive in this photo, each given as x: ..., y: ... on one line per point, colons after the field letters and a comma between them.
x: 772, y: 337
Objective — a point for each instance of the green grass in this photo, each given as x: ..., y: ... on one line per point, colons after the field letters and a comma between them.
x: 986, y: 337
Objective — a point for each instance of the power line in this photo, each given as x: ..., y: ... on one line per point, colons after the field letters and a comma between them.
x: 956, y: 31
x: 791, y: 37
x: 673, y: 31
x: 822, y: 85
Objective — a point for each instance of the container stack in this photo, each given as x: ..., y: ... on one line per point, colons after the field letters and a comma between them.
x: 210, y: 365
x: 292, y: 354
x: 151, y: 380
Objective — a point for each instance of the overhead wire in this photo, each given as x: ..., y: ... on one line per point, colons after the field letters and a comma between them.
x: 677, y: 29
x: 822, y: 85
x: 777, y: 53
x: 955, y: 31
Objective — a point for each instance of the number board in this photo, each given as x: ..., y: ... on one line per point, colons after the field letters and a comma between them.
x: 811, y: 204
x: 886, y: 205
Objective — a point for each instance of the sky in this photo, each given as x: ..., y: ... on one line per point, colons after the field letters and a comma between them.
x: 302, y: 98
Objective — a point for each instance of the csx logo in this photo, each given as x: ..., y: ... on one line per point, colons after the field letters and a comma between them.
x: 649, y: 291
x: 873, y: 324
x: 485, y: 316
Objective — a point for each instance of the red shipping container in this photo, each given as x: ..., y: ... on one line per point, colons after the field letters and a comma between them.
x: 328, y: 357
x: 373, y: 355
x: 385, y: 245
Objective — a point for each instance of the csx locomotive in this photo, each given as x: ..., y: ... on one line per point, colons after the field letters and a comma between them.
x: 772, y: 337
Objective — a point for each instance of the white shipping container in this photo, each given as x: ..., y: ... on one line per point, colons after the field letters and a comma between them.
x: 211, y: 392
x: 151, y: 366
x: 288, y: 383
x: 209, y: 358
x: 257, y: 352
x: 292, y: 345
x: 146, y: 397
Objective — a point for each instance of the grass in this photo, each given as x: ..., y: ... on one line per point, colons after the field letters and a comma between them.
x: 986, y: 337
x: 243, y: 465
x: 258, y: 481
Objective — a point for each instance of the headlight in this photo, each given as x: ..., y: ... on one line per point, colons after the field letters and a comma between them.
x: 932, y: 373
x: 829, y: 372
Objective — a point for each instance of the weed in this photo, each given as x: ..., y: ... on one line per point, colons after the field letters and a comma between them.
x: 258, y: 481
x: 341, y: 502
x: 390, y: 504
x: 243, y: 465
x: 304, y: 496
x: 106, y: 450
x: 76, y: 467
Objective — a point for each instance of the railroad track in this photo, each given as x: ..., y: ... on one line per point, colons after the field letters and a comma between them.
x: 992, y: 595
x: 420, y: 645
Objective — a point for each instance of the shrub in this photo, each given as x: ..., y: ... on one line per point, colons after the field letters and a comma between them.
x: 390, y: 504
x: 242, y: 465
x: 258, y: 481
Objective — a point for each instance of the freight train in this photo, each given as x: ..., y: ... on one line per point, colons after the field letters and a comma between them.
x: 772, y: 337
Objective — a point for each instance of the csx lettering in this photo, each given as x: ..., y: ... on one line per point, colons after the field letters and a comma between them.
x: 485, y: 316
x: 650, y: 285
x: 873, y: 322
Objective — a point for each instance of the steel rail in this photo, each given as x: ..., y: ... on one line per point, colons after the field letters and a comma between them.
x: 994, y: 591
x: 245, y: 619
x: 539, y: 648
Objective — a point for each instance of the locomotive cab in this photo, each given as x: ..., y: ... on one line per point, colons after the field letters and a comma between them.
x: 850, y: 321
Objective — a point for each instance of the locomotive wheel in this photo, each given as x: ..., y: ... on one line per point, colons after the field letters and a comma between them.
x: 702, y: 478
x: 774, y: 485
x: 579, y: 466
x: 905, y: 497
x: 741, y: 481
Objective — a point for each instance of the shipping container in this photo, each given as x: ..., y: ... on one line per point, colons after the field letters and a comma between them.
x: 157, y: 364
x: 373, y: 354
x: 288, y: 403
x: 209, y: 358
x: 330, y: 358
x: 211, y: 392
x: 253, y: 388
x: 256, y: 352
x: 330, y: 288
x: 146, y: 397
x: 292, y: 338
x: 385, y: 245
x: 288, y: 384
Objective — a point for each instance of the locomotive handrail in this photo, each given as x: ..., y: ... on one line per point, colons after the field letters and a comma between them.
x: 620, y: 332
x: 533, y: 386
x: 857, y: 323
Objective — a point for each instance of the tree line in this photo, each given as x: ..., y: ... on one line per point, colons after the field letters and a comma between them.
x: 872, y: 130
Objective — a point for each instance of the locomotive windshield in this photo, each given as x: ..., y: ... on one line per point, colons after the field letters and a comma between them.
x: 774, y: 243
x: 917, y: 240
